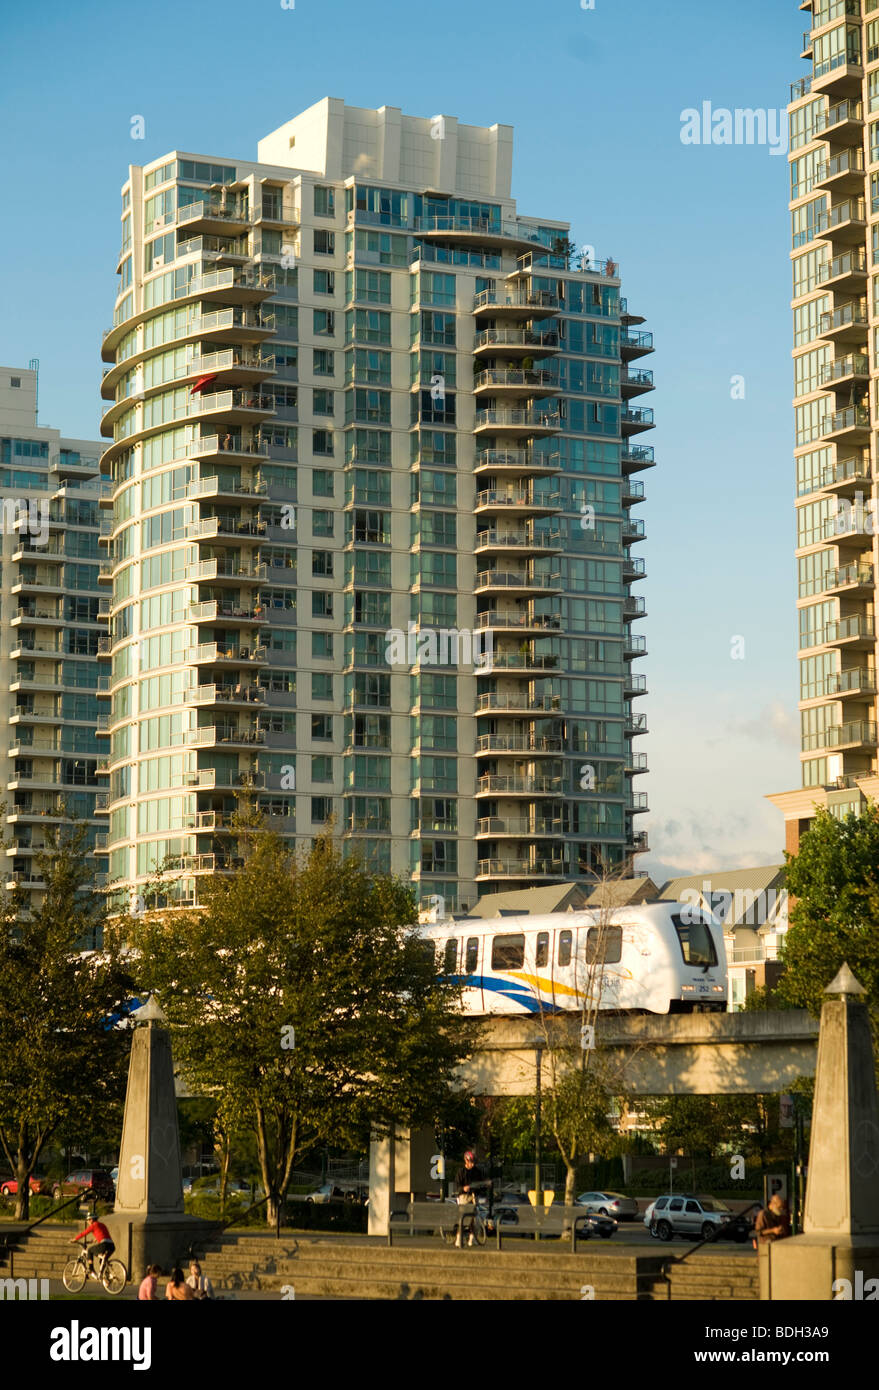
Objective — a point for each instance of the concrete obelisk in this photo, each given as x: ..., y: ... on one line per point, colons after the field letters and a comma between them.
x: 840, y: 1240
x: 148, y: 1223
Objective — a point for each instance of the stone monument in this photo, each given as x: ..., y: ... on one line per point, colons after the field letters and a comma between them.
x: 148, y: 1222
x: 839, y: 1247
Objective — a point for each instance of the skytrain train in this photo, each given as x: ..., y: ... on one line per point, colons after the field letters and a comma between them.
x: 657, y: 958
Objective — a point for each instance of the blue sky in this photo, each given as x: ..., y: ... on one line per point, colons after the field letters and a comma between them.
x: 700, y: 232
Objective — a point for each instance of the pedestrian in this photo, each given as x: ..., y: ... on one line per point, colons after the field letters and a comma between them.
x: 147, y: 1291
x: 465, y: 1180
x: 773, y: 1223
x: 199, y: 1282
x: 177, y: 1289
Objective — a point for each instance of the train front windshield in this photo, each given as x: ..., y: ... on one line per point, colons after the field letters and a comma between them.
x: 696, y: 941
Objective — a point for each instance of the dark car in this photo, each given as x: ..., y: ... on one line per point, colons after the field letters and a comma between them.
x: 97, y: 1180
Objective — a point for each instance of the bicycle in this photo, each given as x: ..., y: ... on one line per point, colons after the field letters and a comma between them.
x: 477, y: 1223
x: 113, y: 1276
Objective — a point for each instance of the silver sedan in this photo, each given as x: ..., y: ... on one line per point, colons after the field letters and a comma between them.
x: 609, y: 1204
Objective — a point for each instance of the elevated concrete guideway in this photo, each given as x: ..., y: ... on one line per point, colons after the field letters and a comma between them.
x: 694, y: 1054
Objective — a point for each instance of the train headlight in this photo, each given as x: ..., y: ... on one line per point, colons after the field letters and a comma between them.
x: 688, y: 989
x: 718, y: 989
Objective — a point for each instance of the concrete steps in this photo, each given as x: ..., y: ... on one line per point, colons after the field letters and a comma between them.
x: 358, y: 1268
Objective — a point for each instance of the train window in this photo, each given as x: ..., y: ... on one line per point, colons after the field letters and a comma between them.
x: 507, y: 952
x: 696, y: 941
x: 565, y: 940
x: 472, y: 956
x: 604, y: 945
x: 450, y: 957
x: 542, y: 948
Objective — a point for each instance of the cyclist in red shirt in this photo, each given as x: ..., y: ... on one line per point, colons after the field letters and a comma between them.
x: 103, y: 1243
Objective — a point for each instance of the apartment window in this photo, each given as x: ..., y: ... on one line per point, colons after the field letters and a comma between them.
x: 324, y: 201
x: 322, y: 402
x: 324, y: 322
x: 321, y: 768
x: 321, y: 685
x: 322, y: 646
x: 321, y: 809
x: 439, y: 856
x: 321, y: 482
x: 321, y: 603
x: 322, y: 361
x: 372, y: 528
x: 321, y: 523
x: 322, y: 442
x: 324, y: 242
x: 324, y: 281
x: 322, y: 727
x: 15, y: 381
x: 322, y: 563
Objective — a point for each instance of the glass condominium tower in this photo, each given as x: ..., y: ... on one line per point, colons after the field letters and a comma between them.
x: 834, y: 162
x: 54, y: 626
x: 373, y: 438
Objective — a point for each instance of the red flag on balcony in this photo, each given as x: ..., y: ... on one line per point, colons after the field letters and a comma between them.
x: 202, y: 382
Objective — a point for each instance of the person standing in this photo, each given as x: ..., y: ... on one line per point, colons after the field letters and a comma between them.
x: 465, y: 1179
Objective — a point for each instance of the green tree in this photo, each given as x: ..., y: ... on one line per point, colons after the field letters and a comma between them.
x: 63, y: 1066
x: 304, y: 1004
x: 834, y: 884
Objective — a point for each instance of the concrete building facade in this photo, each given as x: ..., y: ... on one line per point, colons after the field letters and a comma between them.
x: 373, y: 445
x: 834, y: 161
x: 54, y: 625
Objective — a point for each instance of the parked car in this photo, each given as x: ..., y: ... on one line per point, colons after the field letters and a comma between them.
x: 9, y: 1187
x: 98, y: 1179
x: 692, y: 1218
x: 609, y: 1204
x: 210, y: 1187
x: 337, y: 1192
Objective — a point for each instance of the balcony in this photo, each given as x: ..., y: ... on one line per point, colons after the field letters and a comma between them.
x: 495, y: 785
x: 514, y: 702
x: 517, y: 499
x: 846, y: 273
x: 215, y: 610
x: 861, y: 733
x: 515, y: 461
x: 633, y: 647
x: 849, y: 426
x: 515, y: 743
x: 846, y: 222
x: 237, y: 696
x: 847, y: 578
x: 637, y: 459
x: 634, y: 607
x: 635, y: 345
x: 635, y: 384
x: 217, y: 217
x: 843, y: 120
x: 844, y: 372
x: 527, y: 869
x: 518, y: 622
x: 848, y: 475
x: 838, y: 76
x: 635, y: 764
x: 223, y: 735
x: 477, y: 231
x: 212, y: 654
x: 633, y: 568
x: 634, y: 421
x: 515, y: 342
x: 524, y: 423
x: 520, y: 827
x: 221, y: 528
x: 496, y: 303
x: 635, y: 724
x: 530, y: 540
x: 858, y: 681
x: 516, y: 582
x: 857, y: 630
x: 506, y: 381
x: 847, y: 324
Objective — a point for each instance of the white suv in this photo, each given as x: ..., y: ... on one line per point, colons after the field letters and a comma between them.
x: 692, y: 1218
